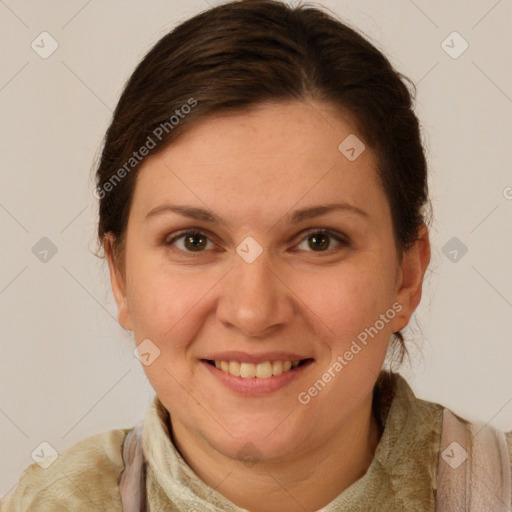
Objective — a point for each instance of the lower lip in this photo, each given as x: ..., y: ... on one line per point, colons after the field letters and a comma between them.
x: 254, y: 385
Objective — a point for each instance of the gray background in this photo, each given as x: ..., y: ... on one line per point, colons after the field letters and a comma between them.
x: 67, y: 369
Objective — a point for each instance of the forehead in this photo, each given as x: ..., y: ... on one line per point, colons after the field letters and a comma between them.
x: 268, y: 159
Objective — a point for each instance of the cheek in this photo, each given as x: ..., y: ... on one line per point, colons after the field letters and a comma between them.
x: 168, y: 308
x: 171, y: 307
x: 347, y: 299
x: 164, y: 304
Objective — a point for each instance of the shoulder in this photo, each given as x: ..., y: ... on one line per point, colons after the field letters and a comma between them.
x: 84, y: 477
x: 487, y: 461
x: 508, y: 437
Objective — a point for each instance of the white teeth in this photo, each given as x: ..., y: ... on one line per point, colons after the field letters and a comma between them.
x: 277, y: 368
x: 260, y: 370
x: 247, y: 370
x: 264, y: 370
x: 234, y: 368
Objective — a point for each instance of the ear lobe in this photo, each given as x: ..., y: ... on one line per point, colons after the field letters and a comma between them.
x: 117, y: 283
x: 412, y: 270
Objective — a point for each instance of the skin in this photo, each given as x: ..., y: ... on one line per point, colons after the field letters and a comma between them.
x: 253, y: 170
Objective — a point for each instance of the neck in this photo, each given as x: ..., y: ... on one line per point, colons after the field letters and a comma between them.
x: 309, y: 480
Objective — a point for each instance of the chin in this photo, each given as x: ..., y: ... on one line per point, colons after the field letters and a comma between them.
x: 258, y: 437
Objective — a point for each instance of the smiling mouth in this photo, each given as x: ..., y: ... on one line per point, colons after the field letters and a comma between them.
x: 262, y: 370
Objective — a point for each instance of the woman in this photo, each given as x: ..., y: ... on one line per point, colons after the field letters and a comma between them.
x: 263, y: 196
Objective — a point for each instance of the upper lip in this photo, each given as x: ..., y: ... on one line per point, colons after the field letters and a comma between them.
x: 244, y: 357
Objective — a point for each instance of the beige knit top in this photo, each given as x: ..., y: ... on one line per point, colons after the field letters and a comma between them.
x: 402, y: 475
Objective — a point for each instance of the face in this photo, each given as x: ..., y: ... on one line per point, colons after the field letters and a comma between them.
x: 253, y: 243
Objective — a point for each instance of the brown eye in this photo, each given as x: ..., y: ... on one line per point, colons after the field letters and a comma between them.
x: 190, y: 241
x: 319, y: 240
x: 195, y: 242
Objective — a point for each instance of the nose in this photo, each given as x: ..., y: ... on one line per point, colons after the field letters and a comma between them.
x: 255, y: 298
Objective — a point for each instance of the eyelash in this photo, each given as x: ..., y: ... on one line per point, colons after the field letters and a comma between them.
x: 338, y: 237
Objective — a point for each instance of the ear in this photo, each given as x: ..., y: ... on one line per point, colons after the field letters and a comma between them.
x: 410, y: 278
x: 118, y: 283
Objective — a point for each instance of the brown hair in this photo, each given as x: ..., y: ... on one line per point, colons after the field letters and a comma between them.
x: 240, y: 54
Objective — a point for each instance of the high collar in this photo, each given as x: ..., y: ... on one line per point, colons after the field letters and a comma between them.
x: 401, y: 475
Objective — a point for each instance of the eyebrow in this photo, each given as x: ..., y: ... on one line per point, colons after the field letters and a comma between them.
x: 295, y: 217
